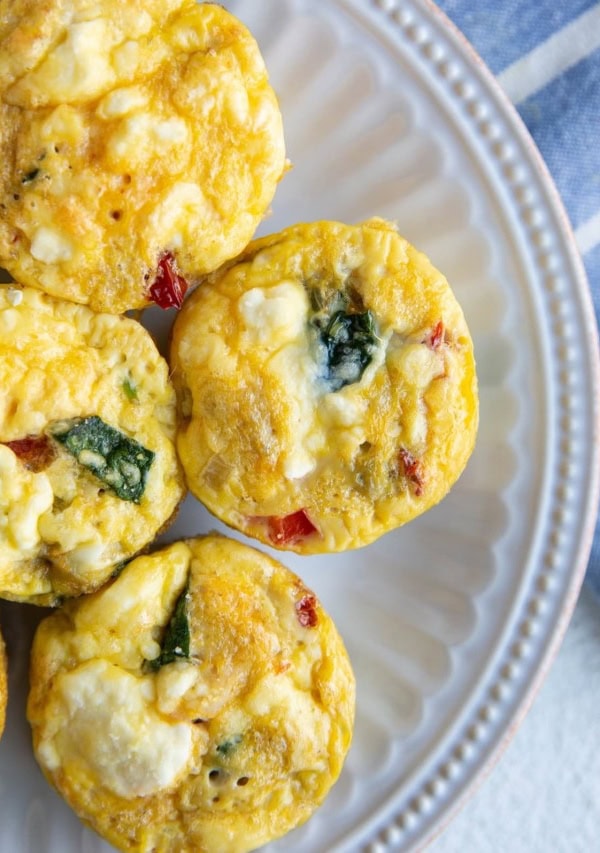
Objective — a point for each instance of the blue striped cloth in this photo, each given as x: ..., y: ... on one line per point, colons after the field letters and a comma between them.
x: 546, y: 56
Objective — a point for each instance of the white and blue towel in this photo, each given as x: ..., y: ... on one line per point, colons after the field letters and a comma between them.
x: 546, y: 56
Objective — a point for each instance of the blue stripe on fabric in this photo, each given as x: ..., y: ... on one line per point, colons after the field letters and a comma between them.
x: 503, y: 32
x: 593, y: 573
x: 564, y: 120
x: 592, y: 266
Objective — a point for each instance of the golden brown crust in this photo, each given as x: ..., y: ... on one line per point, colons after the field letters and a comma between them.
x: 165, y: 137
x: 261, y: 709
x: 269, y: 442
x: 64, y: 529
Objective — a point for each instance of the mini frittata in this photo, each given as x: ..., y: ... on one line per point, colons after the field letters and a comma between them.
x: 3, y: 688
x: 141, y: 144
x: 327, y: 387
x: 88, y: 468
x: 203, y: 702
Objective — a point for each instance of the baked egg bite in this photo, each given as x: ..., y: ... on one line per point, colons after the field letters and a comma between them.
x: 3, y: 688
x: 203, y: 701
x: 141, y: 144
x: 88, y: 469
x: 326, y: 385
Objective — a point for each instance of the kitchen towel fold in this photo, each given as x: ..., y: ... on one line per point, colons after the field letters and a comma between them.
x: 546, y: 56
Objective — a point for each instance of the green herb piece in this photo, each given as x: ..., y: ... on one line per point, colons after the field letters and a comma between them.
x: 130, y: 388
x: 228, y: 746
x: 348, y: 342
x: 119, y: 568
x: 176, y: 639
x: 120, y: 462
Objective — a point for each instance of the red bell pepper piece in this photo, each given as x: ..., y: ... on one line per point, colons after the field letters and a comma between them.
x: 413, y: 470
x: 36, y: 452
x: 436, y: 338
x: 287, y: 529
x: 306, y: 611
x: 169, y: 287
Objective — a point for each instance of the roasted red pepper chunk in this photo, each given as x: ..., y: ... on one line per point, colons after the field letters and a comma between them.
x: 36, y: 452
x: 287, y: 529
x: 413, y: 470
x: 436, y: 338
x: 169, y: 287
x: 306, y: 611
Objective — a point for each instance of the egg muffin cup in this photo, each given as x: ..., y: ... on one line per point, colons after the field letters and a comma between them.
x: 140, y: 143
x: 203, y: 701
x: 326, y: 387
x: 88, y: 469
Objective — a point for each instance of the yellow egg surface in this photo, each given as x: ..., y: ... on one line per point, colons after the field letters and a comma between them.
x: 327, y: 387
x: 203, y: 701
x: 130, y: 134
x: 88, y: 469
x: 3, y: 691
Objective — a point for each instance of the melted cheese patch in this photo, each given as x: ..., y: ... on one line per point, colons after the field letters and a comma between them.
x: 24, y: 498
x: 50, y: 246
x: 279, y: 692
x: 276, y: 315
x: 142, y: 136
x: 275, y: 319
x: 77, y: 69
x: 178, y: 214
x: 418, y: 365
x: 91, y: 55
x: 172, y: 684
x: 64, y: 125
x: 122, y: 101
x: 138, y: 754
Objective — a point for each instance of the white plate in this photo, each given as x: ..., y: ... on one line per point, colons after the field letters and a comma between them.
x: 451, y: 621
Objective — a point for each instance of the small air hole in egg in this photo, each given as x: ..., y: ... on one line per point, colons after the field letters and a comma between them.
x: 218, y: 777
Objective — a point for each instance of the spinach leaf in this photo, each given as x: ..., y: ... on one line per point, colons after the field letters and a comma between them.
x: 348, y: 342
x: 176, y: 639
x: 227, y: 746
x: 129, y: 388
x: 120, y: 462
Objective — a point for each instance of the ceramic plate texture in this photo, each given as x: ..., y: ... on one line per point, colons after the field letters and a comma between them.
x: 451, y: 621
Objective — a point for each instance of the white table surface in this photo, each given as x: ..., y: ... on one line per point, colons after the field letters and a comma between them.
x: 543, y: 796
